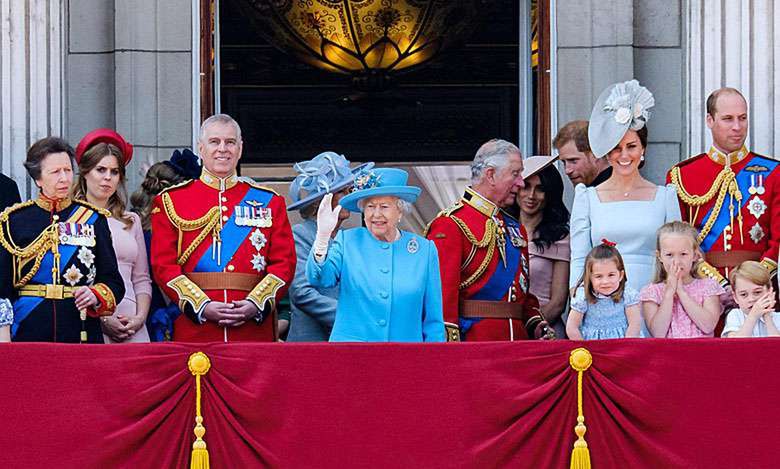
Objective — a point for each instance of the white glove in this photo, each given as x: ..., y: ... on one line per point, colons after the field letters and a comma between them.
x: 327, y: 219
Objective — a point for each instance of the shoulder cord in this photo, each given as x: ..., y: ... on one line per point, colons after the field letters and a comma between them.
x: 207, y: 223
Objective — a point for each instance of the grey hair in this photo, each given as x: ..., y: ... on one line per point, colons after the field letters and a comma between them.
x: 219, y: 119
x: 492, y: 154
x: 404, y: 206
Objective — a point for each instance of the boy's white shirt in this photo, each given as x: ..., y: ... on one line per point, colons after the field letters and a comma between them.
x: 736, y: 318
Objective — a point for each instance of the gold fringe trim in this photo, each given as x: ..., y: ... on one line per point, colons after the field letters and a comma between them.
x: 580, y: 360
x: 199, y: 364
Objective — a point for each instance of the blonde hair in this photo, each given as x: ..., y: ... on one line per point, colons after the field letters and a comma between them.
x: 753, y: 272
x: 602, y: 252
x: 678, y: 228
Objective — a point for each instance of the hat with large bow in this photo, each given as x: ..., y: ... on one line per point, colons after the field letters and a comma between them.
x: 622, y: 106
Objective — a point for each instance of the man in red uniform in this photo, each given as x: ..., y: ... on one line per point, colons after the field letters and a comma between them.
x: 483, y: 254
x: 222, y: 246
x: 731, y: 195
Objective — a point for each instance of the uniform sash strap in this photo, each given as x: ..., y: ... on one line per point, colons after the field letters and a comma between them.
x: 724, y: 217
x: 497, y: 286
x: 232, y: 236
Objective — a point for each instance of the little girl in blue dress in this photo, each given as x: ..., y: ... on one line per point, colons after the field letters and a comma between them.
x: 6, y: 319
x: 603, y: 306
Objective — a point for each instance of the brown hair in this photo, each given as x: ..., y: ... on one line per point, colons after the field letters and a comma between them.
x: 602, y: 252
x: 679, y: 228
x: 574, y: 131
x: 712, y: 99
x: 89, y: 160
x: 43, y: 148
x: 753, y: 272
x: 160, y: 176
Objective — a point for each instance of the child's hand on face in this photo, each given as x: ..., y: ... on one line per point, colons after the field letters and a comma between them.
x: 764, y: 305
x: 671, y: 277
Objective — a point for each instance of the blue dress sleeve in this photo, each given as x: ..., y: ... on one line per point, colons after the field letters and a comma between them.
x: 579, y: 302
x: 630, y: 296
x: 672, y: 204
x: 581, y: 243
x: 328, y: 273
x: 6, y: 313
x: 433, y: 309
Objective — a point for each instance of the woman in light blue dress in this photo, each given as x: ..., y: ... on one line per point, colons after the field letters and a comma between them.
x: 627, y: 209
x: 389, y: 280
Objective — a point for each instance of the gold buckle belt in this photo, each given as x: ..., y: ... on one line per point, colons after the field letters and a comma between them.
x: 49, y: 291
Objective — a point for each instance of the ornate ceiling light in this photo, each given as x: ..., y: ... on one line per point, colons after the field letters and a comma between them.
x: 371, y: 40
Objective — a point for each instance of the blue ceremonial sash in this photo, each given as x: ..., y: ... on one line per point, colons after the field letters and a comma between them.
x: 743, y: 181
x: 25, y: 305
x: 232, y: 235
x: 497, y: 286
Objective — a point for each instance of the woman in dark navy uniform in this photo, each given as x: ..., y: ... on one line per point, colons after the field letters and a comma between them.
x: 57, y: 263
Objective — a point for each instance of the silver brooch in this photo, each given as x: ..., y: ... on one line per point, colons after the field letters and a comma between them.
x: 258, y: 239
x: 412, y: 246
x: 258, y: 262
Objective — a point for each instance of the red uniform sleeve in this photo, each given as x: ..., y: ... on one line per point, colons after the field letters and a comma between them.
x: 447, y: 237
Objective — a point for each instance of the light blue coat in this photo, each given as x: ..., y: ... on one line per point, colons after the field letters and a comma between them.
x: 389, y: 292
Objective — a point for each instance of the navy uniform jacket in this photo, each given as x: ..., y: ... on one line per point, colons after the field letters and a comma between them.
x: 81, y: 239
x: 9, y: 192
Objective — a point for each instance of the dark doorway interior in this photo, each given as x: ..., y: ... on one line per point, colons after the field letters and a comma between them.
x: 290, y: 111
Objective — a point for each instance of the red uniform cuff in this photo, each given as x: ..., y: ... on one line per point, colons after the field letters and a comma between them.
x: 106, y: 301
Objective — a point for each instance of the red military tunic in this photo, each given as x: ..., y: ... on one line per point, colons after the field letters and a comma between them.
x: 727, y: 241
x: 222, y: 240
x: 483, y: 256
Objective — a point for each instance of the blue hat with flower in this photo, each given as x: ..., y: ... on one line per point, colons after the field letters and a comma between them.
x: 326, y: 173
x: 620, y: 107
x: 378, y: 182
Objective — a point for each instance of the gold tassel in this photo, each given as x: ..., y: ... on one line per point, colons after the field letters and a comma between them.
x: 199, y: 365
x: 580, y: 359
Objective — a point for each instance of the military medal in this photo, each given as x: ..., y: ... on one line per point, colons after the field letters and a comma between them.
x: 756, y: 233
x: 253, y: 216
x: 86, y: 256
x: 756, y: 206
x: 258, y: 262
x: 258, y: 239
x: 73, y: 275
x: 412, y: 246
x: 76, y: 234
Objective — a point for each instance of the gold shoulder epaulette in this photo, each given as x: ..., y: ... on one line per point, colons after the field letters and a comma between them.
x: 256, y: 185
x: 102, y: 211
x: 13, y: 208
x: 175, y: 186
x: 447, y: 212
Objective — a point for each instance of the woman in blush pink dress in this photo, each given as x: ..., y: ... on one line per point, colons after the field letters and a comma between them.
x: 102, y: 156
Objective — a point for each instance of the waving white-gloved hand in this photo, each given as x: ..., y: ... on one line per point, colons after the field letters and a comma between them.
x: 327, y: 219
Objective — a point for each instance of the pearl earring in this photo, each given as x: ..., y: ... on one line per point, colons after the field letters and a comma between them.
x: 642, y: 158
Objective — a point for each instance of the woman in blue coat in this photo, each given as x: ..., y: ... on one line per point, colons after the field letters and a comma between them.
x: 390, y: 288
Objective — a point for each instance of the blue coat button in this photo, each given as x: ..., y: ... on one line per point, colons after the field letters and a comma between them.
x: 382, y: 322
x: 384, y: 295
x: 384, y: 270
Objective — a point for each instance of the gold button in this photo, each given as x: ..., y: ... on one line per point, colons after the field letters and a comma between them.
x: 231, y: 268
x: 224, y: 209
x: 224, y: 199
x: 55, y: 217
x: 224, y: 218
